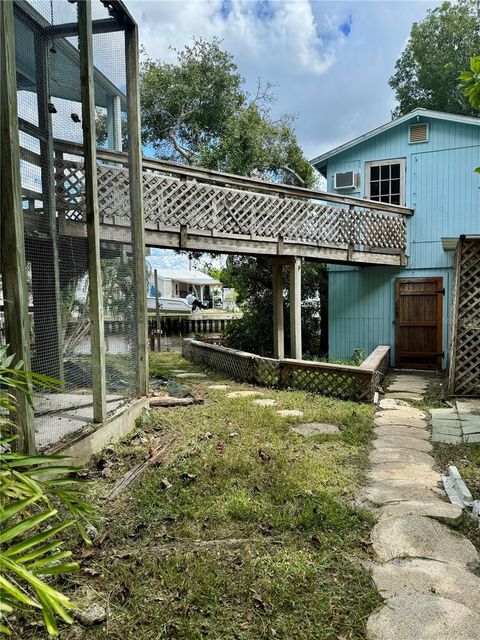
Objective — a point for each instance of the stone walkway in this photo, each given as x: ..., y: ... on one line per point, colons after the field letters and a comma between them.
x: 427, y: 573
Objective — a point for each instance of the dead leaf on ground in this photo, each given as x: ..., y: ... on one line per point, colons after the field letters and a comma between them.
x: 220, y: 447
x: 100, y: 539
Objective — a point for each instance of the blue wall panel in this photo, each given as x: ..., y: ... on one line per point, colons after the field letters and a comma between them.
x: 443, y: 188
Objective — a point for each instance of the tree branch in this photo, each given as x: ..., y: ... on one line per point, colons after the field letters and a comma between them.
x: 294, y: 175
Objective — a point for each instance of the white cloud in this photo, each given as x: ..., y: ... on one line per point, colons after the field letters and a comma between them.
x: 330, y: 61
x: 258, y: 34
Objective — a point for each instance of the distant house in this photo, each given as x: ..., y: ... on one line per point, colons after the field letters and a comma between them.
x: 424, y: 160
x: 177, y: 283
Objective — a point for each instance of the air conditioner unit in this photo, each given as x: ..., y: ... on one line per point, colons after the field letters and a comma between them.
x: 346, y: 180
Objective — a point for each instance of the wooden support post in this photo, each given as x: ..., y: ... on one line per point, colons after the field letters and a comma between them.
x: 46, y: 294
x: 136, y: 203
x: 92, y: 213
x: 14, y: 271
x: 296, y: 309
x: 157, y: 311
x: 278, y: 324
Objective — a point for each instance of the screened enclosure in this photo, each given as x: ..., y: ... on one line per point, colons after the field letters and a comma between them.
x: 79, y: 316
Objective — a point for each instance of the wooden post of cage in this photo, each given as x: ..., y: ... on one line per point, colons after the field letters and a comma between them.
x: 92, y: 212
x: 136, y: 203
x: 14, y: 271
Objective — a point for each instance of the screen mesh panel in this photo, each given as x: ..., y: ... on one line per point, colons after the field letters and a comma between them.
x: 53, y: 200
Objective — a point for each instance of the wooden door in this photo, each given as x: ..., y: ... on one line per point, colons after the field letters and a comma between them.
x: 418, y: 322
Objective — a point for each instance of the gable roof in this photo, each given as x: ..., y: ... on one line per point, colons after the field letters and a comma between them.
x: 320, y: 161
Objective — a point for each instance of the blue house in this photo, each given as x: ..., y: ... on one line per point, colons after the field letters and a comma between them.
x: 424, y: 160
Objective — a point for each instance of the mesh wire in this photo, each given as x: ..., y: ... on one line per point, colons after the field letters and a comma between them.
x: 53, y: 187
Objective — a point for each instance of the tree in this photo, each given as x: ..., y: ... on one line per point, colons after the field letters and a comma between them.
x: 471, y: 82
x: 197, y: 111
x: 440, y: 46
x: 252, y: 279
x: 471, y: 85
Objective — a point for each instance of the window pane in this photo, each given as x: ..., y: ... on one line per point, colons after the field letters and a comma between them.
x: 385, y: 199
x: 376, y: 198
x: 374, y: 188
x: 374, y: 173
x: 395, y: 199
x: 395, y: 186
x: 395, y: 171
x: 385, y: 171
x: 385, y: 188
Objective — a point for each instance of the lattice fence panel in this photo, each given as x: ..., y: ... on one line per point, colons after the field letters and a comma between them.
x: 228, y: 361
x: 467, y: 338
x: 171, y: 202
x: 338, y: 383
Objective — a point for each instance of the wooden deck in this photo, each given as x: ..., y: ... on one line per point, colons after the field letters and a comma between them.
x: 200, y: 210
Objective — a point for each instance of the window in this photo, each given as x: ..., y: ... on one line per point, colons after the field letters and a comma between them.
x: 385, y: 181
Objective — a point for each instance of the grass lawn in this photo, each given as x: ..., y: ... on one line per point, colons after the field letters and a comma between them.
x: 257, y: 537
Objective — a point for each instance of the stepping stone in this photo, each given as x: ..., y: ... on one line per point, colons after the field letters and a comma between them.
x: 403, y: 413
x: 408, y: 577
x: 444, y: 414
x: 446, y: 439
x: 422, y: 617
x: 417, y: 536
x: 395, y: 430
x: 447, y: 427
x: 379, y: 456
x: 244, y: 394
x: 415, y: 423
x: 265, y: 402
x: 405, y: 395
x: 473, y: 438
x: 190, y: 375
x: 468, y: 428
x: 471, y: 405
x: 316, y: 428
x: 388, y: 403
x: 402, y: 442
x: 286, y: 413
x: 435, y: 508
x: 407, y: 388
x: 218, y: 387
x: 404, y: 471
x: 396, y: 491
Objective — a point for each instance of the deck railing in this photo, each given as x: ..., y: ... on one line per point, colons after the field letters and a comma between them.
x: 337, y: 380
x: 180, y: 199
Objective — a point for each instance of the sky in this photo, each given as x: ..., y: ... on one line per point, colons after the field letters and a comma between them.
x: 329, y: 60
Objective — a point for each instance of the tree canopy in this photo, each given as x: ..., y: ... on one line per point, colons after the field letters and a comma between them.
x: 439, y: 48
x: 198, y: 111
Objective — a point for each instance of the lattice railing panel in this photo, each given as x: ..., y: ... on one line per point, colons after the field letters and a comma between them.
x: 171, y: 203
x: 467, y: 339
x: 336, y: 381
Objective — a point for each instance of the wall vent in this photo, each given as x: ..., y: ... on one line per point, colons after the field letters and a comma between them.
x: 419, y: 132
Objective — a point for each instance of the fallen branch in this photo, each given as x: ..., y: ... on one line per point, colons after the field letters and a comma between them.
x: 167, y: 401
x: 131, y: 475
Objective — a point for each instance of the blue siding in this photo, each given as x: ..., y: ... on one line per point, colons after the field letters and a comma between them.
x: 444, y: 191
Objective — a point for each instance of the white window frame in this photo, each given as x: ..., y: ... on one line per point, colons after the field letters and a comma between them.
x: 382, y: 163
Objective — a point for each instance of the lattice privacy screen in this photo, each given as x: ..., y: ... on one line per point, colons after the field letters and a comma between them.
x: 465, y: 356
